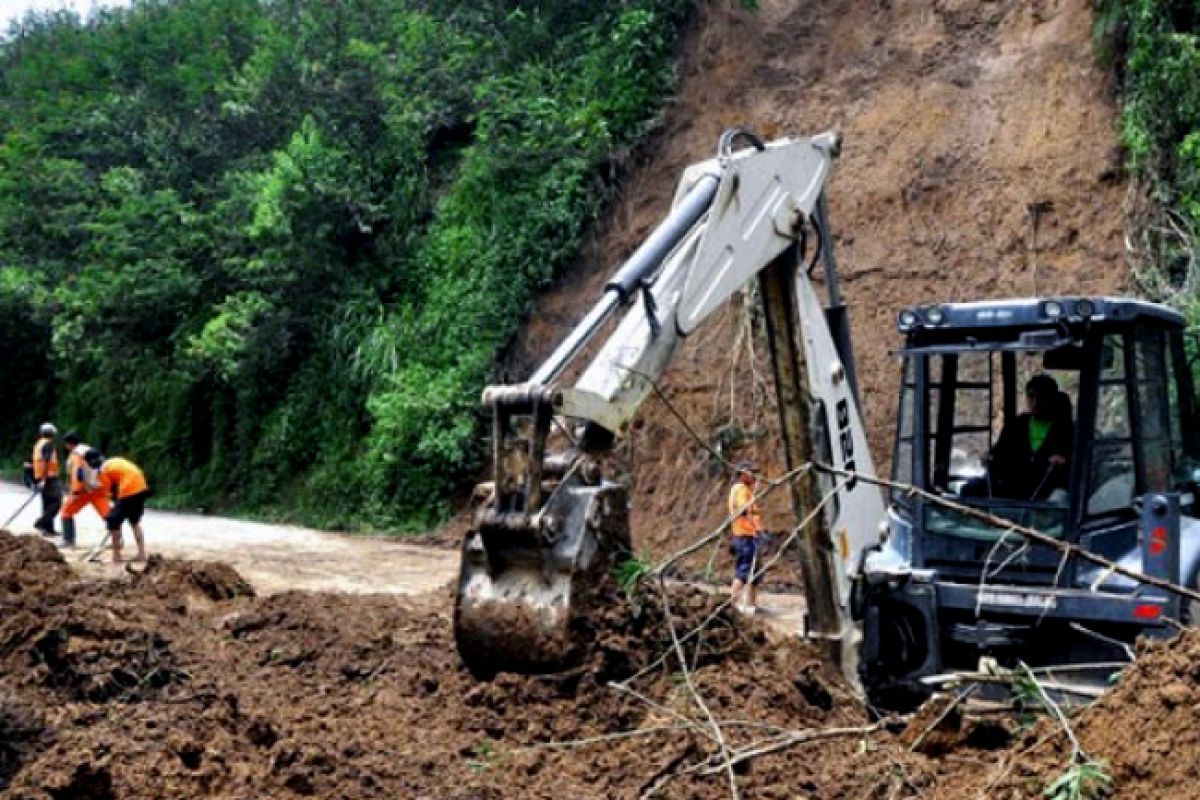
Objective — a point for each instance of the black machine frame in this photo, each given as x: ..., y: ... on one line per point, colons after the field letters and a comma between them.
x: 932, y: 601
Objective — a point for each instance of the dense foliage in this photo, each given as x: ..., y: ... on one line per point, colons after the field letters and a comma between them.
x: 1157, y: 43
x: 1155, y: 46
x: 271, y: 249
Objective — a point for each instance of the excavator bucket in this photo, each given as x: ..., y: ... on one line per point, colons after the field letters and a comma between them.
x: 527, y: 583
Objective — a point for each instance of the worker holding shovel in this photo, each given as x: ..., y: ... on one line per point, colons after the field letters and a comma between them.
x: 84, y: 487
x: 122, y: 480
x: 46, y: 478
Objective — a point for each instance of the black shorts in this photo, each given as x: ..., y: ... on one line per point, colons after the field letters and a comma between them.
x: 127, y: 509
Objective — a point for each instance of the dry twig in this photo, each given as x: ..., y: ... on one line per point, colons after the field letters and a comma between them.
x: 791, y: 739
x: 687, y: 679
x: 1030, y: 534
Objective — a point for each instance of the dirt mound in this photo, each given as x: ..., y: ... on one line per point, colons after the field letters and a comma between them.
x: 1147, y: 730
x: 28, y: 562
x: 117, y: 689
x: 354, y: 696
x: 89, y: 658
x: 21, y: 728
x: 180, y: 578
x: 1145, y: 733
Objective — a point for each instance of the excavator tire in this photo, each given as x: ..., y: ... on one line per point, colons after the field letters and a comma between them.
x: 522, y: 603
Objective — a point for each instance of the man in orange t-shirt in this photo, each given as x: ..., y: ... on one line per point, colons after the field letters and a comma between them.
x: 746, y: 526
x: 122, y: 480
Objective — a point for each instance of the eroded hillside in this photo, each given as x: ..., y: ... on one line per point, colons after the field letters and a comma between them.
x: 980, y: 160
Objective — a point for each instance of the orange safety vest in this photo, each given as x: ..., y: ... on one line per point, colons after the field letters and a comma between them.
x: 44, y: 467
x: 744, y: 510
x: 122, y: 477
x: 83, y: 478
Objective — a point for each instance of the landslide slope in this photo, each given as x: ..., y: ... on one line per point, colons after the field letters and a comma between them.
x: 959, y: 119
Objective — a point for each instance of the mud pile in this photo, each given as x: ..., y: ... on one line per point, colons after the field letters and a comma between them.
x: 178, y: 683
x: 165, y: 685
x: 1147, y: 730
x: 1145, y: 733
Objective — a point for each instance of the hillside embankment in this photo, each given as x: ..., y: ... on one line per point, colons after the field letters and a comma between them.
x: 980, y: 160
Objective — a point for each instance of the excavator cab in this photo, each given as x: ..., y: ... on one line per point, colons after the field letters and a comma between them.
x: 1073, y: 416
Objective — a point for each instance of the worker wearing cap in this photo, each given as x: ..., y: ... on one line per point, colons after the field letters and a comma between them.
x: 125, y: 483
x: 83, y: 487
x: 45, y: 475
x: 746, y: 526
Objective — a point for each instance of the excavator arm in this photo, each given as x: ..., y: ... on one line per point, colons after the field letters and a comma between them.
x: 549, y: 527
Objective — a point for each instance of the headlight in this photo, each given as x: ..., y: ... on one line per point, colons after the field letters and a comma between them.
x: 935, y: 316
x: 1085, y: 308
x: 1052, y: 309
x: 907, y: 320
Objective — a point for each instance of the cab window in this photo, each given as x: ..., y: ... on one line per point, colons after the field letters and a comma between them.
x: 1112, y: 478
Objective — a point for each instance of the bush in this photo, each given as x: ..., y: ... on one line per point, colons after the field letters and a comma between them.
x: 1155, y: 46
x: 271, y: 251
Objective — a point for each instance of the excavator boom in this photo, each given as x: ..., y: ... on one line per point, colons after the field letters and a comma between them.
x: 549, y: 527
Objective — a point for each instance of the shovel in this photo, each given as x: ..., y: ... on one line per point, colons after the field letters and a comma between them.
x: 17, y: 513
x: 94, y: 553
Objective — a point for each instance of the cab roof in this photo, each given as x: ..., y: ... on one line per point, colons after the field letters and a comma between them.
x: 1036, y: 312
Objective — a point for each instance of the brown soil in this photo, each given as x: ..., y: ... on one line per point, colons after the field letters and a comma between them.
x: 163, y: 684
x: 958, y: 117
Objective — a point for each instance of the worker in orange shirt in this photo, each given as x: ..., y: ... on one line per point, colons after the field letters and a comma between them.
x: 45, y: 475
x: 121, y: 480
x: 83, y: 487
x: 746, y: 526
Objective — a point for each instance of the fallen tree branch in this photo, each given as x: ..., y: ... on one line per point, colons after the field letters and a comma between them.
x: 687, y: 721
x: 658, y: 392
x: 687, y: 679
x: 795, y: 533
x: 771, y: 486
x: 791, y: 740
x: 1031, y: 534
x: 571, y: 744
x: 953, y: 704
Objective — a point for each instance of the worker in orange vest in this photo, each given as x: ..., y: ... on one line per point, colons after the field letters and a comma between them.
x: 44, y: 473
x: 83, y: 487
x: 125, y: 483
x: 746, y: 526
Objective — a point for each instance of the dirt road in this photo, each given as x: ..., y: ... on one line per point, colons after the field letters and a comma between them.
x: 280, y: 558
x: 274, y: 558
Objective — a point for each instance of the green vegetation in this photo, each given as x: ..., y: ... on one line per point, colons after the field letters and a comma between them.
x: 631, y: 571
x: 1155, y: 47
x: 1086, y: 780
x: 1083, y: 777
x: 271, y: 250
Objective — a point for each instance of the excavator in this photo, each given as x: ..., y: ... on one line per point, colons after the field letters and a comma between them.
x: 910, y: 582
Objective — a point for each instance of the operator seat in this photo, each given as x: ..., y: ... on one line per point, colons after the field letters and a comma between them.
x: 1066, y: 409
